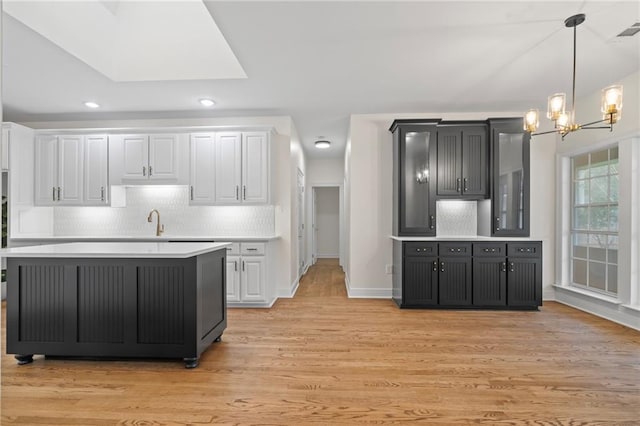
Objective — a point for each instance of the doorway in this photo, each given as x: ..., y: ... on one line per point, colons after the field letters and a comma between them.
x: 327, y: 226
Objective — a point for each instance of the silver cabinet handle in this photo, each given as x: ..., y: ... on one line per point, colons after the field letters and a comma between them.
x: 435, y: 266
x: 58, y: 193
x: 497, y: 223
x: 53, y: 193
x: 235, y: 265
x: 191, y: 192
x: 252, y: 249
x: 504, y: 266
x: 465, y: 185
x: 102, y: 193
x: 144, y: 170
x: 237, y: 189
x: 432, y: 219
x: 243, y: 265
x: 458, y: 185
x: 150, y: 170
x: 441, y: 266
x: 511, y: 267
x: 244, y: 192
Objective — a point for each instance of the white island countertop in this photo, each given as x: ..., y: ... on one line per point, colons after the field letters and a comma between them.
x: 177, y: 250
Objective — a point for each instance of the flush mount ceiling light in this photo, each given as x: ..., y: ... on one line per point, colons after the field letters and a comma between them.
x: 207, y: 102
x: 564, y: 122
x: 90, y: 104
x: 322, y: 144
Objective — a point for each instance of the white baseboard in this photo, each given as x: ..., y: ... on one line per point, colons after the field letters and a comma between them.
x: 366, y: 293
x: 615, y: 312
x: 291, y: 292
x: 252, y: 304
x: 327, y: 256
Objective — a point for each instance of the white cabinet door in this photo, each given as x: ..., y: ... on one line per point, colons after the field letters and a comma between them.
x: 255, y: 167
x: 4, y: 149
x: 233, y: 278
x: 228, y: 172
x: 202, y: 179
x: 96, y: 152
x: 253, y: 279
x: 46, y: 170
x: 135, y: 157
x: 163, y: 157
x: 70, y: 159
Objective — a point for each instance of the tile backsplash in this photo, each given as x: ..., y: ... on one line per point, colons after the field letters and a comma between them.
x: 175, y: 213
x: 456, y: 218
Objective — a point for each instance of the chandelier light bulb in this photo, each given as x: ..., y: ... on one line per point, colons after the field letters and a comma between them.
x: 563, y: 121
x: 612, y: 103
x: 531, y: 120
x: 556, y: 106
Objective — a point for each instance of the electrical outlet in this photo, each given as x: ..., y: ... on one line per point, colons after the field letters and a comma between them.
x: 388, y: 269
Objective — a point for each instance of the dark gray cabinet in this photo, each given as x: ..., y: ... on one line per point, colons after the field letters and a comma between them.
x: 509, y: 151
x: 462, y: 161
x: 413, y: 184
x: 492, y: 275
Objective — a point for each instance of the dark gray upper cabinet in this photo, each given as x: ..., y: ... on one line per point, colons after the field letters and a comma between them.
x: 510, y: 178
x: 413, y: 188
x: 462, y: 161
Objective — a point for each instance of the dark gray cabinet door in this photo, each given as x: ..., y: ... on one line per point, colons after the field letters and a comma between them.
x: 489, y: 281
x: 474, y: 161
x: 420, y: 281
x: 524, y: 277
x: 454, y: 281
x: 462, y: 161
x: 449, y: 161
x: 510, y: 178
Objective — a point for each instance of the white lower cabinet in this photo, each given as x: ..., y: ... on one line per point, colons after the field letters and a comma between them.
x: 247, y: 275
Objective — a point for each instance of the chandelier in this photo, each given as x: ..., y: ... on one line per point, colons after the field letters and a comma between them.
x: 565, y: 123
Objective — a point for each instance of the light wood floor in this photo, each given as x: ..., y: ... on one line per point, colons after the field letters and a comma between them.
x: 325, y: 359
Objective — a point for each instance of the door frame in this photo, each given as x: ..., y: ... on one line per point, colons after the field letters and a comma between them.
x: 341, y: 227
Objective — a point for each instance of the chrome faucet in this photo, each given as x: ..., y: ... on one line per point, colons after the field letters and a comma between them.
x: 159, y: 228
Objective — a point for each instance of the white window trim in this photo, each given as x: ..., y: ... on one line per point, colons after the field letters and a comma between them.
x: 628, y: 226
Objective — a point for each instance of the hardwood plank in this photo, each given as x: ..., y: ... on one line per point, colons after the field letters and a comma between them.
x: 325, y: 359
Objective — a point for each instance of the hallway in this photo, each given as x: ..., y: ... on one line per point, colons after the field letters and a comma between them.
x: 324, y: 279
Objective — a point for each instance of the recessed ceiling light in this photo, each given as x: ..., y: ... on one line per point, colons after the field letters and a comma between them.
x: 207, y: 102
x: 323, y: 144
x: 90, y: 104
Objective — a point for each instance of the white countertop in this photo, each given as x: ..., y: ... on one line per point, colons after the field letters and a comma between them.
x: 143, y: 238
x: 179, y: 250
x: 463, y: 238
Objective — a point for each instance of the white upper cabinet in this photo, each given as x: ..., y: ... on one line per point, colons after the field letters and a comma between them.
x: 228, y: 167
x: 59, y: 165
x: 135, y: 158
x: 241, y: 168
x: 96, y: 172
x: 4, y: 148
x: 255, y: 167
x: 148, y: 159
x: 202, y: 179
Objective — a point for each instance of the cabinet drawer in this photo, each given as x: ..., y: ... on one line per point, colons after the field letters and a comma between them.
x: 233, y: 249
x: 417, y: 248
x: 454, y: 249
x: 489, y: 250
x: 524, y: 249
x: 252, y: 248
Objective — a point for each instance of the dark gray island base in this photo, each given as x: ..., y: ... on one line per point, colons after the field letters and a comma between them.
x: 151, y: 307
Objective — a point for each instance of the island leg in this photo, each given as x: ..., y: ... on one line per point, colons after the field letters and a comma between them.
x: 218, y: 339
x: 24, y: 359
x: 191, y: 362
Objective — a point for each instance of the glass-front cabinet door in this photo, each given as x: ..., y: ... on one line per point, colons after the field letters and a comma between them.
x: 414, y: 179
x: 510, y: 178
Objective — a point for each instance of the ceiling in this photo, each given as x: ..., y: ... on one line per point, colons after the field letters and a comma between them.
x: 320, y: 62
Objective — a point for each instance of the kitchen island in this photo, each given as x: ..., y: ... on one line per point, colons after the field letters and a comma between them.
x: 151, y: 300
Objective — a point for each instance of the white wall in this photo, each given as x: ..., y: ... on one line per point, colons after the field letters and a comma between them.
x: 296, y: 160
x: 369, y: 199
x: 626, y: 307
x: 327, y: 214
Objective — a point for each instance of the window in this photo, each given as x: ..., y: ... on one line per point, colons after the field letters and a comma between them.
x: 594, y: 223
